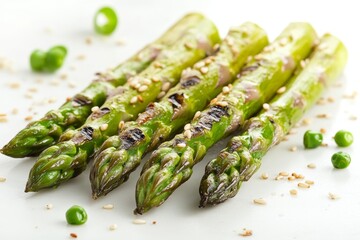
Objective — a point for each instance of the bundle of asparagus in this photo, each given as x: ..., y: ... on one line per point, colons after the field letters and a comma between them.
x: 69, y: 157
x: 41, y: 134
x: 171, y: 164
x: 242, y: 157
x: 120, y: 155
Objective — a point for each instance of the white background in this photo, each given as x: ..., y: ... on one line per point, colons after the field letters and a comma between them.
x: 29, y: 24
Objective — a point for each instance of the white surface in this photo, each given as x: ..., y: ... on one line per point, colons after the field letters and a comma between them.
x: 26, y: 25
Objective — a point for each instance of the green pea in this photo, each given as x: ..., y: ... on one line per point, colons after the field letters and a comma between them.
x: 105, y: 21
x: 312, y: 139
x: 37, y: 60
x: 343, y: 138
x: 76, y: 215
x: 340, y: 160
x: 55, y: 58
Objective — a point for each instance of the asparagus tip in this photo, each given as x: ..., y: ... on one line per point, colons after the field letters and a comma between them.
x: 138, y: 211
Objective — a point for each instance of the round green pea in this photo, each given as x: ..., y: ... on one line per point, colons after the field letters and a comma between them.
x: 105, y: 21
x: 340, y: 160
x: 37, y: 60
x: 76, y: 215
x: 312, y: 139
x: 343, y: 138
x: 55, y: 58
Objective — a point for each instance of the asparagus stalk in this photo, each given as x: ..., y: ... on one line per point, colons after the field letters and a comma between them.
x: 242, y: 157
x: 171, y: 164
x: 120, y: 155
x: 45, y: 132
x: 69, y: 158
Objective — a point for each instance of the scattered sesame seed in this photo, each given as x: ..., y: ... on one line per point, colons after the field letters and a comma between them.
x: 303, y: 185
x: 154, y: 222
x: 3, y: 114
x: 264, y: 176
x: 104, y: 126
x: 278, y: 177
x: 226, y: 90
x: 333, y: 196
x: 283, y: 41
x: 222, y: 103
x: 306, y: 122
x: 182, y: 144
x: 133, y: 100
x: 330, y: 99
x: 310, y: 182
x: 353, y: 117
x: 216, y: 46
x: 28, y: 118
x: 187, y: 134
x: 323, y: 130
x: 351, y: 95
x: 161, y: 94
x: 14, y: 85
x: 197, y: 114
x: 293, y: 149
x: 52, y: 100
x: 95, y: 109
x: 54, y: 82
x: 88, y: 40
x: 266, y: 106
x: 112, y: 227
x: 321, y: 101
x: 143, y: 88
x: 120, y: 42
x: 204, y: 70
x: 2, y: 179
x: 246, y: 233
x: 208, y: 61
x: 81, y: 57
x: 146, y: 81
x: 166, y: 86
x: 140, y: 98
x: 214, y: 101
x: 311, y: 165
x: 324, y: 144
x: 293, y: 192
x: 291, y: 178
x: 49, y: 206
x: 199, y: 65
x: 286, y: 138
x: 73, y: 235
x: 292, y: 131
x: 139, y: 221
x: 72, y: 84
x: 121, y: 124
x: 188, y: 45
x: 63, y: 76
x: 258, y: 57
x: 281, y: 90
x: 284, y: 174
x: 230, y: 41
x: 259, y: 201
x: 108, y: 206
x: 322, y: 115
x: 155, y: 79
x: 158, y: 65
x: 187, y: 126
x: 234, y: 49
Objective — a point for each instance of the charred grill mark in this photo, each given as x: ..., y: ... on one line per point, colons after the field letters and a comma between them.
x: 249, y: 69
x: 104, y: 77
x: 176, y: 100
x: 207, y: 120
x: 87, y: 132
x: 131, y: 137
x: 148, y: 114
x: 234, y: 146
x: 80, y: 100
x: 299, y: 101
x: 100, y: 113
x: 178, y: 141
x: 190, y: 81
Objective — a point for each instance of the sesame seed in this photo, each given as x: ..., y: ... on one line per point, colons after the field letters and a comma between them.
x: 333, y: 196
x: 234, y: 49
x: 3, y: 114
x: 353, y: 117
x: 292, y: 131
x: 14, y: 85
x: 303, y: 185
x: 88, y: 40
x: 259, y: 201
x: 199, y: 65
x: 143, y: 88
x: 258, y: 57
x: 208, y: 61
x: 161, y: 94
x: 306, y: 122
x: 28, y: 118
x: 293, y: 149
x: 264, y: 176
x: 95, y: 109
x: 216, y: 46
x: 291, y: 178
x: 158, y: 65
x: 324, y: 144
x: 321, y: 101
x: 133, y: 100
x: 166, y: 86
x: 283, y: 41
x: 266, y: 106
x: 213, y: 101
x: 281, y: 90
x: 73, y: 235
x: 303, y: 63
x: 121, y: 124
x: 286, y: 138
x: 300, y: 176
x: 204, y: 70
x: 249, y: 59
x: 80, y: 57
x: 146, y: 81
x: 246, y: 233
x: 104, y: 126
x: 112, y: 227
x: 188, y: 46
x: 140, y: 98
x: 278, y: 177
x: 2, y: 179
x: 230, y: 41
x: 331, y: 99
x: 155, y: 79
x: 226, y: 90
x: 14, y: 111
x: 187, y: 126
x: 293, y: 192
x: 108, y: 206
x: 197, y: 114
x: 222, y: 103
x: 322, y: 115
x: 49, y: 206
x: 139, y: 221
x: 284, y: 174
x: 310, y: 182
x: 311, y: 165
x: 181, y: 145
x: 323, y: 130
x: 120, y: 42
x: 187, y: 134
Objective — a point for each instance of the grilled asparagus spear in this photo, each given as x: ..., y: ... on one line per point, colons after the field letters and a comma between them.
x: 171, y: 164
x: 45, y: 132
x: 242, y: 157
x: 69, y: 158
x: 120, y: 155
